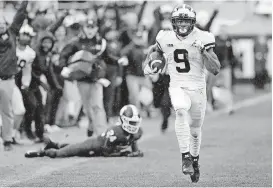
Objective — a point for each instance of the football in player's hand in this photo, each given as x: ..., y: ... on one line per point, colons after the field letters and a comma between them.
x: 157, y: 60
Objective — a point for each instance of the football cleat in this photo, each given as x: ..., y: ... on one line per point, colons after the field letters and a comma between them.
x: 187, y: 167
x: 196, y: 167
x: 31, y: 154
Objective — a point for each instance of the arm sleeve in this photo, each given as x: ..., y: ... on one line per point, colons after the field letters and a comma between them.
x: 134, y: 146
x: 19, y: 18
x: 118, y: 20
x: 159, y: 40
x: 53, y: 28
x: 137, y: 136
x: 141, y: 11
x: 210, y: 41
x: 68, y: 50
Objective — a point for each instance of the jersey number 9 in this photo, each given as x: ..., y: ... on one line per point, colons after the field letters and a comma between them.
x: 184, y: 60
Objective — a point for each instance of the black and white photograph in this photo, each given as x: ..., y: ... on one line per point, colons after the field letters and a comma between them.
x: 140, y: 93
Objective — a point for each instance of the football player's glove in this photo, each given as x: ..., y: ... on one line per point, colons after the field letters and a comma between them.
x: 199, y: 45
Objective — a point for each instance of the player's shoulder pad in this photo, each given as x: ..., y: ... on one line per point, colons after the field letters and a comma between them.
x: 208, y: 39
x: 138, y: 135
x: 160, y: 38
x: 160, y: 34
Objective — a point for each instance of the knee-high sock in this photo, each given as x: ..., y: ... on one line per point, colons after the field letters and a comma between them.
x: 182, y: 130
x: 195, y: 141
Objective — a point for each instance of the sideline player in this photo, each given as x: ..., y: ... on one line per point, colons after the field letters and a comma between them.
x: 111, y: 143
x: 189, y: 53
x: 25, y: 55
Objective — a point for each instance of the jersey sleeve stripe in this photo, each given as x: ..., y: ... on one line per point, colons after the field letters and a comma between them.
x: 213, y: 43
x: 210, y: 46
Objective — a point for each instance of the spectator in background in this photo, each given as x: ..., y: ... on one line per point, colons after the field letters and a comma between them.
x: 26, y: 56
x: 89, y: 44
x: 162, y: 20
x: 260, y: 56
x: 56, y: 90
x: 41, y: 24
x: 125, y: 24
x: 46, y: 30
x: 203, y: 23
x: 9, y: 68
x: 113, y: 72
x: 224, y: 52
x: 70, y: 104
x: 72, y: 26
x: 135, y: 79
x: 41, y: 76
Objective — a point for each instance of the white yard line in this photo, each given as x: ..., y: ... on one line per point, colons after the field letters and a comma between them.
x: 62, y: 164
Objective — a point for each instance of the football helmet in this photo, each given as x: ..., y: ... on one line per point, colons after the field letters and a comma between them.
x: 130, y: 119
x: 183, y: 20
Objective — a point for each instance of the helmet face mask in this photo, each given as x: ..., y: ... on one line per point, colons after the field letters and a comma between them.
x: 183, y: 20
x: 130, y: 119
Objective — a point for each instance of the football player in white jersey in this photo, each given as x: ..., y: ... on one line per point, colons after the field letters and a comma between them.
x: 189, y: 54
x: 25, y: 57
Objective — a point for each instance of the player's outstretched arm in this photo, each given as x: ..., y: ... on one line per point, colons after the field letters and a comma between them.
x: 211, y: 61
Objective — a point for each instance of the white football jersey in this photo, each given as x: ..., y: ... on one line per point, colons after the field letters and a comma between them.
x: 184, y: 62
x: 25, y: 56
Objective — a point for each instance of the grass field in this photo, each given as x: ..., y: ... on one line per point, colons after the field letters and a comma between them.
x: 236, y: 151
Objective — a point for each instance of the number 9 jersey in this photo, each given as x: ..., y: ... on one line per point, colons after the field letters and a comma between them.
x: 184, y: 61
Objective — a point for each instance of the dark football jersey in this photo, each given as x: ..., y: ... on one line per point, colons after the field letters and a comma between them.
x: 116, y: 139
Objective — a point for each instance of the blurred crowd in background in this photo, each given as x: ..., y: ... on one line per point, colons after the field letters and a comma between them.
x: 243, y: 46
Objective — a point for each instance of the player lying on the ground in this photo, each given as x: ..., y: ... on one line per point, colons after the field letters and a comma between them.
x: 190, y: 54
x: 111, y: 143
